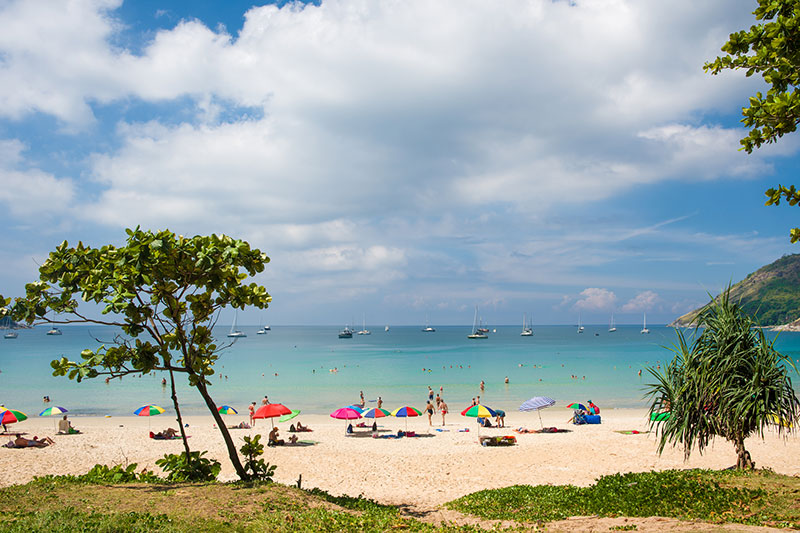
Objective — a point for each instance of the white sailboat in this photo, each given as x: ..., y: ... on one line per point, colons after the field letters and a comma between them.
x: 644, y: 325
x: 527, y: 330
x: 11, y: 334
x: 580, y: 327
x: 236, y: 333
x: 386, y: 329
x: 364, y: 330
x: 476, y: 333
x: 428, y: 328
x: 611, y: 327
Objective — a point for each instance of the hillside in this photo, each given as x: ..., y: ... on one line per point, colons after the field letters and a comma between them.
x: 771, y: 294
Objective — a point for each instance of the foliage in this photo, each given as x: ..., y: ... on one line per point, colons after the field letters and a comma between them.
x: 252, y: 449
x: 195, y: 467
x: 771, y: 49
x: 680, y: 494
x: 164, y: 291
x: 730, y: 382
x: 104, y: 474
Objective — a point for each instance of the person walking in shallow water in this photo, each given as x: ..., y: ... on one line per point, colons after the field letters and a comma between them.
x: 429, y: 412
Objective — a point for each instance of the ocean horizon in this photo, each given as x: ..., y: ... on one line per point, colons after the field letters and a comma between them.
x: 311, y: 369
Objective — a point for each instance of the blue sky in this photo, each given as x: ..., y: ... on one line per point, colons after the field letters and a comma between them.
x: 398, y: 159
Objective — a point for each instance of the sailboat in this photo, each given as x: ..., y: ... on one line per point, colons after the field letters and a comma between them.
x: 364, y: 330
x: 428, y: 328
x: 580, y: 327
x: 527, y: 331
x: 386, y: 329
x: 236, y: 333
x: 346, y: 333
x: 611, y: 327
x: 476, y: 333
x: 644, y: 325
x: 11, y: 333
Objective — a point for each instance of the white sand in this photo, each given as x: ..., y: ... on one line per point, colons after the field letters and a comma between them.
x: 423, y: 472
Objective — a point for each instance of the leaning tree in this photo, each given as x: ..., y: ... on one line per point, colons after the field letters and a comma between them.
x: 164, y: 292
x: 729, y: 382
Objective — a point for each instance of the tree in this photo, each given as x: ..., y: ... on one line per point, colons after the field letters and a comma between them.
x: 730, y: 382
x: 771, y: 49
x: 164, y: 292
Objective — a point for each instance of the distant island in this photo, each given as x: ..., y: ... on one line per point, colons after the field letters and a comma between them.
x: 771, y: 295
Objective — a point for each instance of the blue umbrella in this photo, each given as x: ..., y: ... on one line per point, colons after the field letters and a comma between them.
x: 537, y: 403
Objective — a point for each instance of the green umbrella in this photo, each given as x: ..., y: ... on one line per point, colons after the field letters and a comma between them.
x: 659, y: 417
x: 286, y: 418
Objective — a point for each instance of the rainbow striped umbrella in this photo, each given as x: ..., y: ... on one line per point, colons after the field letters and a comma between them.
x: 149, y: 410
x: 376, y: 412
x: 406, y: 412
x: 227, y: 410
x: 9, y: 416
x: 479, y: 411
x: 576, y: 405
x: 52, y: 411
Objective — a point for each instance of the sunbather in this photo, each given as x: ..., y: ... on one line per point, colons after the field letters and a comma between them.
x: 35, y: 442
x: 273, y: 438
x: 168, y: 433
x: 65, y: 427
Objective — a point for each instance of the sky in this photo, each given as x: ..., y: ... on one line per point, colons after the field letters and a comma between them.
x: 399, y: 161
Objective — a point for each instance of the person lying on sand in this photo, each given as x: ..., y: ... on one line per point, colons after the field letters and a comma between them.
x: 35, y: 442
x: 168, y: 433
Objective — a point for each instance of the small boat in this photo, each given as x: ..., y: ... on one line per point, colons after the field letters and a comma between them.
x: 580, y: 327
x: 386, y: 328
x: 54, y: 331
x: 236, y: 333
x: 364, y: 330
x: 611, y: 327
x: 476, y: 332
x: 527, y: 331
x: 11, y: 335
x: 644, y: 325
x: 263, y: 331
x: 428, y: 328
x: 346, y: 333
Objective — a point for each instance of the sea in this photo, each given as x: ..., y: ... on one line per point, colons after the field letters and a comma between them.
x: 310, y: 369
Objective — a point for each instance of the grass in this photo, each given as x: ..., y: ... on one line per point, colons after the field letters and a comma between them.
x: 68, y: 504
x: 756, y: 498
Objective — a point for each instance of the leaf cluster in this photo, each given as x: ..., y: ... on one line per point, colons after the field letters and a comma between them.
x: 104, y: 474
x: 194, y: 467
x: 730, y: 382
x: 771, y: 49
x: 257, y: 469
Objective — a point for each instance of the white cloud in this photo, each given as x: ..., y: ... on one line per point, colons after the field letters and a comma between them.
x: 642, y: 302
x: 30, y: 192
x: 596, y: 299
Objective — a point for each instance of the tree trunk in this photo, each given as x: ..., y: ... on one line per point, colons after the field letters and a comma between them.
x: 178, y: 413
x: 743, y: 461
x: 232, y: 453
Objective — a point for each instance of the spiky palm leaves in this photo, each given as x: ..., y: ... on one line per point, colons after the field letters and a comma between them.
x: 729, y: 382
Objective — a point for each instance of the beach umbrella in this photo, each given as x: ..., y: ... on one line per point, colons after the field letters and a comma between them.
x: 227, y: 410
x: 406, y: 412
x: 148, y: 411
x: 576, y: 405
x: 286, y: 418
x: 479, y: 411
x: 10, y: 416
x: 537, y: 403
x: 376, y: 412
x: 346, y: 413
x: 53, y: 411
x: 659, y: 417
x: 355, y: 407
x: 271, y: 410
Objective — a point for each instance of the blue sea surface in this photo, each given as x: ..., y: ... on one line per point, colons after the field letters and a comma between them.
x: 292, y: 365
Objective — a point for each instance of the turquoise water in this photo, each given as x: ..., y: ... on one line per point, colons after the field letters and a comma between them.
x: 398, y: 365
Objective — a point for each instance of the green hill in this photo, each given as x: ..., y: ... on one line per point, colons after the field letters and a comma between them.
x: 771, y: 294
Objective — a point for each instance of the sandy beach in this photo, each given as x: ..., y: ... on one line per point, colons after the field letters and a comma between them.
x: 423, y: 472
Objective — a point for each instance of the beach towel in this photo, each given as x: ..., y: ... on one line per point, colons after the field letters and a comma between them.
x: 631, y: 432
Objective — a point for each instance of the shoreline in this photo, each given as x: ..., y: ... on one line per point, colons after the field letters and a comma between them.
x: 424, y: 472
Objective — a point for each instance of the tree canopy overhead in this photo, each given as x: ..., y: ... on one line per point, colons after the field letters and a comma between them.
x: 163, y: 291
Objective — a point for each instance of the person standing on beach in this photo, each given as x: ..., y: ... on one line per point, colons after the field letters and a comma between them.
x: 363, y: 403
x: 429, y: 412
x: 380, y: 402
x: 252, y: 409
x: 443, y: 409
x: 265, y: 401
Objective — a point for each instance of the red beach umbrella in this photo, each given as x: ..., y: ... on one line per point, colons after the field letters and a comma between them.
x: 271, y: 410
